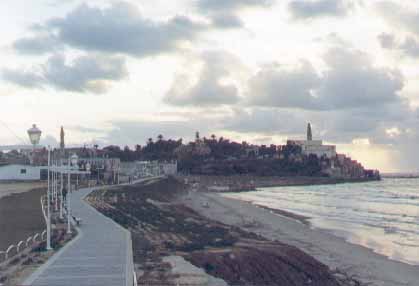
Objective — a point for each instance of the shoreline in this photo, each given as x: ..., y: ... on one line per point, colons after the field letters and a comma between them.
x: 284, y: 213
x: 355, y: 260
x: 249, y: 183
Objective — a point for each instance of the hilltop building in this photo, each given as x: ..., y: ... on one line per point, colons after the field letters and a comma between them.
x: 309, y: 133
x: 314, y: 147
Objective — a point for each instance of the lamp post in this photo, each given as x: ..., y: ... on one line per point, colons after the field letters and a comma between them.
x: 61, y: 188
x: 49, y: 202
x: 71, y: 161
x: 55, y: 185
x: 88, y: 170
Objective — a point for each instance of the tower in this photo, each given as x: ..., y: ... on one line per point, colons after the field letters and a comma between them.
x: 62, y: 144
x: 309, y: 133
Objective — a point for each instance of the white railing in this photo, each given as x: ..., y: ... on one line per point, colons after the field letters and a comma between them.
x: 14, y: 250
x: 19, y: 245
x: 9, y: 249
x: 29, y: 241
x: 135, y: 278
x: 43, y: 209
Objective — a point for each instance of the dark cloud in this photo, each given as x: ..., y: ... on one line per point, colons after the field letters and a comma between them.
x: 350, y: 81
x: 387, y: 41
x: 119, y: 28
x: 86, y: 73
x: 226, y: 21
x: 28, y: 79
x: 222, y: 5
x: 310, y: 9
x: 353, y: 81
x: 40, y: 44
x: 281, y: 87
x: 408, y: 47
x: 224, y: 14
x: 209, y: 89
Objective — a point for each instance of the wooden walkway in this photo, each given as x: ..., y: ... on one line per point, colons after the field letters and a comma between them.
x: 101, y: 254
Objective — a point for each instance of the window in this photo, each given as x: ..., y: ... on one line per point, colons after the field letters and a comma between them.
x: 23, y: 171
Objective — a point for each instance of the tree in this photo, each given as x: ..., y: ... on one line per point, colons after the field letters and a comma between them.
x: 138, y: 148
x: 160, y: 138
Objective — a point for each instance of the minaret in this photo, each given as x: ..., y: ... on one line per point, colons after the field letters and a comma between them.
x: 62, y: 144
x: 309, y: 133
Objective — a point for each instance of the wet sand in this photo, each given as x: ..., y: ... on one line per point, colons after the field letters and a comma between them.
x: 357, y: 261
x: 20, y: 212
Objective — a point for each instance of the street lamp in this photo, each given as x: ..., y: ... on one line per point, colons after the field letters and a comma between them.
x: 61, y: 188
x: 34, y: 134
x: 73, y: 161
x: 49, y: 202
x: 88, y: 167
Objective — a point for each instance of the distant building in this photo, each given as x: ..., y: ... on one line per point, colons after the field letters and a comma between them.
x: 140, y: 169
x: 309, y: 133
x: 252, y: 151
x: 314, y: 147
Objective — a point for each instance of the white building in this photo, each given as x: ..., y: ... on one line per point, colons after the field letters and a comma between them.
x: 314, y: 147
x: 140, y: 169
x: 169, y: 168
x: 21, y: 172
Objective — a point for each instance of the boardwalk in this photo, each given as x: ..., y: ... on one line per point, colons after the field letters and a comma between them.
x: 100, y: 255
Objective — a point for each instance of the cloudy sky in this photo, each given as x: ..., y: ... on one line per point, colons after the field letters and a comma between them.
x: 118, y: 72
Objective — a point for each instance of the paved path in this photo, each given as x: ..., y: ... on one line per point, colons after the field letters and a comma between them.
x: 100, y: 255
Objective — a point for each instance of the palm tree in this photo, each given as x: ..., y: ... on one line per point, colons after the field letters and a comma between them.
x: 213, y: 137
x: 150, y: 141
x: 160, y: 137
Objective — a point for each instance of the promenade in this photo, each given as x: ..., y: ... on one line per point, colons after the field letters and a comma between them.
x: 101, y: 254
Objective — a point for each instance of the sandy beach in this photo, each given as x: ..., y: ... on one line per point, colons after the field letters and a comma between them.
x: 175, y: 245
x: 357, y: 261
x: 20, y: 212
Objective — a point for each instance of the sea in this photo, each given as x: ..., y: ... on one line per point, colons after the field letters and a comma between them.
x: 382, y: 215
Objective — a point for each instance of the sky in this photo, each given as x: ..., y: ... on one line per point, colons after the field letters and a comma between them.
x: 119, y: 72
